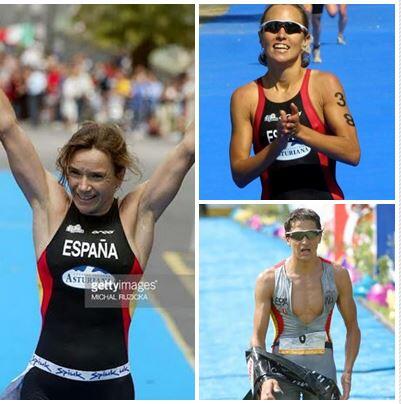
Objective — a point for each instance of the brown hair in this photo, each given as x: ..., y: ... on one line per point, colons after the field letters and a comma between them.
x: 107, y: 138
x: 302, y: 214
x: 305, y: 22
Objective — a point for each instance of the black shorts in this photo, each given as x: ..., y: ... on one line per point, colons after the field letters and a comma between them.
x: 41, y: 385
x: 317, y: 8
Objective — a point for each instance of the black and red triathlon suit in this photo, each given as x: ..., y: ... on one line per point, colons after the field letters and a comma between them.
x: 74, y: 336
x: 299, y: 172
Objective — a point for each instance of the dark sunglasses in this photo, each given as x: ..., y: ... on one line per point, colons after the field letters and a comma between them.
x: 299, y: 235
x: 290, y: 27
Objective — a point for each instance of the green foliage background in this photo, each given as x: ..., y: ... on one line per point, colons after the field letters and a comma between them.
x: 138, y: 28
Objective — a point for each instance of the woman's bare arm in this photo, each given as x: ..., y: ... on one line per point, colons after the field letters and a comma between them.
x: 342, y: 144
x: 245, y: 168
x: 47, y: 198
x: 141, y: 208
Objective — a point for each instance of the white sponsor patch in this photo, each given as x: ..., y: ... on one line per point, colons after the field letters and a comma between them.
x: 74, y: 229
x: 84, y: 277
x: 79, y: 375
x: 293, y: 151
x: 271, y: 118
x: 306, y: 344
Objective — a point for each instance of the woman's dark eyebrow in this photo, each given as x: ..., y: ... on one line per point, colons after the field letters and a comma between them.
x: 72, y: 168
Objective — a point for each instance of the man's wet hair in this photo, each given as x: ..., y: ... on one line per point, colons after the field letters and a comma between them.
x: 302, y: 214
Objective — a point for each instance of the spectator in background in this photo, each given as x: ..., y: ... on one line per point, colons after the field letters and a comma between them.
x: 77, y: 91
x: 17, y: 92
x: 174, y: 106
x: 153, y: 95
x: 53, y: 93
x: 119, y: 96
x: 138, y: 96
x: 36, y: 85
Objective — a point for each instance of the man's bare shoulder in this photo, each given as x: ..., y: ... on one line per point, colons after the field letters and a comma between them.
x: 265, y: 284
x: 341, y: 275
x: 266, y: 278
x: 339, y: 269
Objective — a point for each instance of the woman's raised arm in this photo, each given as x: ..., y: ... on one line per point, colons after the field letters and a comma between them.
x: 165, y: 182
x: 24, y: 161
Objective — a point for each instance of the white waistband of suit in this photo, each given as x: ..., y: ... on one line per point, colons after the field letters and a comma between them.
x: 79, y: 375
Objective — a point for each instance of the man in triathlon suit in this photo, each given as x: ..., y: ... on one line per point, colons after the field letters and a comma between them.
x: 299, y: 294
x: 82, y: 237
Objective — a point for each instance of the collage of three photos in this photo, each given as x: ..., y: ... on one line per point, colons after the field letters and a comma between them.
x: 198, y: 201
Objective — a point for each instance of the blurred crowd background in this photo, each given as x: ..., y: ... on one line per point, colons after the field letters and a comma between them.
x: 64, y: 64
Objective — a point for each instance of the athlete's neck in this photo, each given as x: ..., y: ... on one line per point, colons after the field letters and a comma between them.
x: 295, y: 265
x: 94, y: 210
x: 284, y: 79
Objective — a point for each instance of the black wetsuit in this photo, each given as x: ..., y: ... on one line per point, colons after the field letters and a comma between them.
x: 74, y: 336
x: 299, y: 172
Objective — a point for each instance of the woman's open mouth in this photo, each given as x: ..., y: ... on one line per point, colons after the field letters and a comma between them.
x: 281, y: 47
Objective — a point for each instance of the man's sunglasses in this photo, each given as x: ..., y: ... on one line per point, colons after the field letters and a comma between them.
x: 290, y: 27
x: 299, y: 235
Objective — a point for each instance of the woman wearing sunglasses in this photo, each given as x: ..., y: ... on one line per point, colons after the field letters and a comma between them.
x: 296, y: 119
x: 299, y: 294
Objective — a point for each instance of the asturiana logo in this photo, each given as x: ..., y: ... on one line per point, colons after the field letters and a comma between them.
x: 83, y: 277
x: 294, y: 150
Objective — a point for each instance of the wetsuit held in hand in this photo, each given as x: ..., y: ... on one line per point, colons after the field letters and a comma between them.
x: 263, y: 365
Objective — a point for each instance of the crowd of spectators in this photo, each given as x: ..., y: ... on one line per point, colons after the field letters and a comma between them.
x: 45, y: 90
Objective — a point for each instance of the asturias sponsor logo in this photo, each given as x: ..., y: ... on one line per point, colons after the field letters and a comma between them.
x: 83, y: 277
x: 294, y: 150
